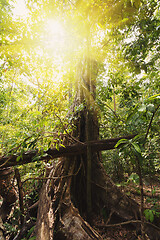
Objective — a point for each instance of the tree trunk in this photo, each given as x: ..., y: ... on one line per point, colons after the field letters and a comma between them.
x: 8, y: 194
x: 7, y: 191
x: 63, y: 202
x: 63, y: 208
x: 78, y: 188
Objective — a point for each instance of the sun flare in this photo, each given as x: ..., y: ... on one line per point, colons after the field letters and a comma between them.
x: 55, y: 30
x: 55, y: 35
x: 60, y: 38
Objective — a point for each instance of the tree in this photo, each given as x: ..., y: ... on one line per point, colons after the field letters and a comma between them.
x: 75, y: 188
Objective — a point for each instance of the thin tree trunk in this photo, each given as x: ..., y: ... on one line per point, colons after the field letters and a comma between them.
x: 20, y: 189
x: 7, y: 192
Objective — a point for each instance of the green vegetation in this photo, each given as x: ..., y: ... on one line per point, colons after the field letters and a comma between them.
x: 42, y: 55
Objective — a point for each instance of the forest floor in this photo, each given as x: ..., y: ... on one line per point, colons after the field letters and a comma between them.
x: 128, y: 232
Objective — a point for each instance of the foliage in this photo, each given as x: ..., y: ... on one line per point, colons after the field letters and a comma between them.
x: 39, y: 75
x: 150, y: 214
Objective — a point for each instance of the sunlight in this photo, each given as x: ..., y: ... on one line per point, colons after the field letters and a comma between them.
x: 19, y: 9
x: 55, y: 28
x: 55, y: 35
x: 60, y: 39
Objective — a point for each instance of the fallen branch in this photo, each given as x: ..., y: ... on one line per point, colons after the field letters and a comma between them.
x: 75, y: 149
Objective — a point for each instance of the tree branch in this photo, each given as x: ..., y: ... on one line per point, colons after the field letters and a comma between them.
x: 150, y: 123
x: 68, y: 150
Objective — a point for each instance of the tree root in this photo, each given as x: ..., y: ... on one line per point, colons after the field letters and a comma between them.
x: 73, y: 226
x: 59, y: 211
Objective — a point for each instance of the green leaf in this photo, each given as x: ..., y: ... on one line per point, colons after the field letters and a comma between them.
x: 151, y: 107
x: 134, y: 178
x: 62, y: 145
x: 136, y: 147
x: 18, y: 158
x: 149, y: 215
x: 36, y: 158
x: 154, y: 96
x: 57, y: 146
x: 49, y: 143
x: 30, y: 231
x: 121, y: 141
x: 138, y: 137
x: 32, y: 144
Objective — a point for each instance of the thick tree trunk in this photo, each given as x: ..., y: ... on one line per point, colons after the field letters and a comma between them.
x: 63, y: 202
x: 63, y: 213
x: 78, y: 188
x: 58, y: 218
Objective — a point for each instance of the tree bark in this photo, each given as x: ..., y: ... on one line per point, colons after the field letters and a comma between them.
x: 7, y: 192
x: 80, y: 186
x: 1, y: 230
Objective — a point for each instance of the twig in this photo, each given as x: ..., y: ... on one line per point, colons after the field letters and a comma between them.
x: 35, y: 205
x: 113, y: 112
x: 109, y: 218
x: 150, y: 123
x: 126, y: 223
x: 5, y: 162
x: 74, y: 139
x: 54, y: 178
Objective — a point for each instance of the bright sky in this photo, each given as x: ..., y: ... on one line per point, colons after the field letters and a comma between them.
x: 20, y: 9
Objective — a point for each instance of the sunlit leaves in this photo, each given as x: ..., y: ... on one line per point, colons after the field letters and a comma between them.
x: 37, y: 100
x: 143, y: 48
